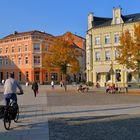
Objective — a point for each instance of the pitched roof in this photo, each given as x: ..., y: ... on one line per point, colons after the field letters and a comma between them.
x: 17, y: 34
x: 103, y: 21
x: 131, y: 18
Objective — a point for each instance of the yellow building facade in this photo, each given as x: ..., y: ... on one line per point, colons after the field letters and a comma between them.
x: 102, y: 38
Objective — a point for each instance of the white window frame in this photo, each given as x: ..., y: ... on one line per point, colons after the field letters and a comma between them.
x: 19, y: 48
x: 116, y: 38
x: 13, y: 61
x: 26, y: 47
x: 107, y: 55
x: 6, y: 61
x: 107, y: 39
x: 19, y: 60
x: 36, y: 46
x: 97, y: 56
x: 6, y: 50
x: 36, y: 60
x: 26, y: 60
x: 0, y: 49
x: 97, y: 40
x: 13, y: 49
x: 117, y: 20
x: 116, y: 54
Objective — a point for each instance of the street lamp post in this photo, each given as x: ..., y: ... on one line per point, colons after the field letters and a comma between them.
x: 65, y: 85
x: 111, y: 71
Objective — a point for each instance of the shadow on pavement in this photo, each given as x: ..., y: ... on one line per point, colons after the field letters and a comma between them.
x: 120, y: 127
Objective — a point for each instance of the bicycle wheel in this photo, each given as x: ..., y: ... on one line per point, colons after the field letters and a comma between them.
x: 17, y: 115
x: 7, y: 121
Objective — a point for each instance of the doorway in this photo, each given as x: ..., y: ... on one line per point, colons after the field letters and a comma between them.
x: 37, y: 77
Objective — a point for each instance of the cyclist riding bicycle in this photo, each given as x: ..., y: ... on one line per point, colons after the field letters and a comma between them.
x: 10, y: 88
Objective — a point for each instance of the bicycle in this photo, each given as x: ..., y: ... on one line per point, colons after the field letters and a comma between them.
x: 9, y: 112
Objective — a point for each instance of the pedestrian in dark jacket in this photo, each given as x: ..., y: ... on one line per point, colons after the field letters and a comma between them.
x: 35, y: 88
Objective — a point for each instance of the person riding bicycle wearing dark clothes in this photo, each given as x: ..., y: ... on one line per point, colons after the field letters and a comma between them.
x: 10, y: 88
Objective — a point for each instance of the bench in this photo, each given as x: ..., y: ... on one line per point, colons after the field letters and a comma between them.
x: 123, y: 89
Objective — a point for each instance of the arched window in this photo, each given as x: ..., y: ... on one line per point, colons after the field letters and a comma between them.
x: 108, y: 77
x: 129, y: 77
x: 98, y: 77
x: 118, y: 75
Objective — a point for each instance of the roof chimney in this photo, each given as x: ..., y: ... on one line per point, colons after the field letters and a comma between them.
x: 15, y: 32
x: 90, y: 20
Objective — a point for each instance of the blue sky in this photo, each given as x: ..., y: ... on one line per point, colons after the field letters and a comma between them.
x: 57, y: 16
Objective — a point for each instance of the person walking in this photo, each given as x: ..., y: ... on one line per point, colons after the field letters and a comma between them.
x: 10, y: 88
x: 61, y: 83
x: 52, y: 84
x: 35, y: 88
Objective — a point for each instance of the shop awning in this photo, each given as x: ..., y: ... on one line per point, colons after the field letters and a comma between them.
x: 102, y: 68
x: 127, y: 70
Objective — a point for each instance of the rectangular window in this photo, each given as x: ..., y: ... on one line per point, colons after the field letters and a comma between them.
x: 6, y: 62
x: 13, y: 61
x: 0, y: 62
x: 36, y: 46
x: 116, y: 54
x: 13, y: 49
x: 97, y: 40
x: 20, y: 76
x: 26, y: 60
x: 36, y: 59
x: 27, y: 76
x: 46, y: 47
x: 54, y: 76
x: 97, y: 56
x: 116, y: 38
x: 6, y: 50
x: 46, y: 77
x: 19, y: 48
x: 0, y: 50
x: 26, y: 47
x: 107, y: 39
x: 117, y: 20
x: 19, y: 61
x: 107, y: 55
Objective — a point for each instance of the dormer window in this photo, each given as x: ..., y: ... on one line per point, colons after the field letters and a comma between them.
x: 130, y: 19
x: 117, y: 20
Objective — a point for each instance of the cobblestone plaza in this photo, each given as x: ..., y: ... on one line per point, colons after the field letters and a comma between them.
x: 59, y: 115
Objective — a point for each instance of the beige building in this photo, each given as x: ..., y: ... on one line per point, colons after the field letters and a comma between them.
x: 102, y: 38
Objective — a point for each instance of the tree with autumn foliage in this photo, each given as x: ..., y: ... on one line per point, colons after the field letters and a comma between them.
x: 63, y: 53
x: 129, y: 49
